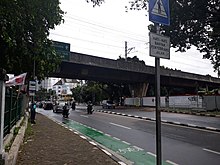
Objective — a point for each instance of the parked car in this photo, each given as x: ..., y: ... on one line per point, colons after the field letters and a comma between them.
x: 58, y: 107
x: 108, y: 104
x: 48, y: 105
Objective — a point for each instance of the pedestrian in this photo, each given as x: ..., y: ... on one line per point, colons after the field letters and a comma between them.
x: 33, y: 112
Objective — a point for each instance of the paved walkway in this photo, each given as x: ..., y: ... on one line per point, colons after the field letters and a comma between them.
x: 52, y: 144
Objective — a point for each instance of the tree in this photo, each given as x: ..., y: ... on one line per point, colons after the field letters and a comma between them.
x: 193, y: 22
x: 24, y: 35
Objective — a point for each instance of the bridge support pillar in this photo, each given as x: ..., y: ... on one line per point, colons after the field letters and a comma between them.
x: 138, y: 89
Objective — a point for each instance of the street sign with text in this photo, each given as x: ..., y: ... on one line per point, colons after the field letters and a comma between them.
x: 63, y: 49
x: 159, y: 11
x: 159, y: 46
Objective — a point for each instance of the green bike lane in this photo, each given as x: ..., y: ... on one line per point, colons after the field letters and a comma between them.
x: 132, y: 153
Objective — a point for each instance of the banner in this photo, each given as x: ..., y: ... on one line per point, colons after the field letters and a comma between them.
x: 17, y: 80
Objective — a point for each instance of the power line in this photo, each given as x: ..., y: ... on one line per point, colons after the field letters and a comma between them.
x: 84, y: 40
x: 109, y: 30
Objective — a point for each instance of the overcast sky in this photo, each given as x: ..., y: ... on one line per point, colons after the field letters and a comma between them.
x: 102, y: 31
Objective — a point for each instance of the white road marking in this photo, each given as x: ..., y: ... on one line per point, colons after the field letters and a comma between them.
x: 116, y: 138
x: 215, y: 152
x: 84, y: 116
x: 191, y: 125
x: 83, y: 137
x: 168, y: 161
x: 119, y: 125
x: 108, y: 153
x: 212, y: 128
x: 107, y: 134
x: 92, y: 143
x: 138, y: 148
x: 121, y: 163
x: 152, y: 154
x: 126, y: 142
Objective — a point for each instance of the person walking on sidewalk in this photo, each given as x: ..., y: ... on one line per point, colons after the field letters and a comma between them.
x: 33, y: 112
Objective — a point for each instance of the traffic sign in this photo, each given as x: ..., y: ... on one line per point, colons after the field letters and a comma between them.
x: 32, y: 88
x: 159, y: 46
x: 63, y: 49
x: 159, y: 11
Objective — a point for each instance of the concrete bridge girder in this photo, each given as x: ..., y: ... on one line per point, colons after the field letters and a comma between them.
x: 138, y: 89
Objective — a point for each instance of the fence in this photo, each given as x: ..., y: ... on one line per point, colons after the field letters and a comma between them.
x: 13, y: 110
x: 193, y: 101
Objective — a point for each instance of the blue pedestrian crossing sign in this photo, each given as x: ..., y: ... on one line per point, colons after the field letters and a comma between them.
x: 159, y: 11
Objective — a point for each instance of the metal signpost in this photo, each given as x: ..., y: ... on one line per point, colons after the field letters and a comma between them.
x: 159, y: 48
x: 32, y: 88
x: 63, y: 49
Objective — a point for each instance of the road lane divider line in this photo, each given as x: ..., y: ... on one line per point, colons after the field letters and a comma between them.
x: 84, y: 116
x: 116, y: 138
x: 170, y: 162
x: 150, y: 153
x: 126, y: 143
x: 120, y: 125
x: 208, y: 150
x: 208, y: 129
x: 138, y: 148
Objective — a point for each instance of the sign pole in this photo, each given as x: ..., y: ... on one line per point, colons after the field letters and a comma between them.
x: 158, y: 114
x: 159, y: 13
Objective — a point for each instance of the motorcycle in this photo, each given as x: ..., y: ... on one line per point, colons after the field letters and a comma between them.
x: 89, y: 107
x: 65, y: 111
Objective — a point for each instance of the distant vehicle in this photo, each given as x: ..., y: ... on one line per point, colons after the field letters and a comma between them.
x: 40, y: 104
x: 108, y: 104
x: 48, y: 105
x: 58, y: 107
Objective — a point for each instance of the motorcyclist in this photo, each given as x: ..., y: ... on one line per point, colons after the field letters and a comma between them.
x: 73, y: 105
x: 65, y: 110
x: 89, y: 107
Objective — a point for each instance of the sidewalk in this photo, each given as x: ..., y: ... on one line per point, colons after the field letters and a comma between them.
x: 52, y: 144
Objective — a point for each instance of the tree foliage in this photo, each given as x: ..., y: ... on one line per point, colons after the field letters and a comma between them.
x: 24, y: 31
x: 193, y: 22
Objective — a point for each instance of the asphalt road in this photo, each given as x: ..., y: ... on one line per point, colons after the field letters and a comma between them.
x: 180, y: 145
x: 202, y: 121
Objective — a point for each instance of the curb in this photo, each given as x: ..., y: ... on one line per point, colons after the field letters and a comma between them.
x: 162, y: 121
x: 11, y: 156
x: 191, y: 113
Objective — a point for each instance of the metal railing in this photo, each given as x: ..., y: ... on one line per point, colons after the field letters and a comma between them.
x: 13, y: 110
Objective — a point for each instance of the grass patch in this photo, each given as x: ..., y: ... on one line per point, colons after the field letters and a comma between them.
x: 29, y: 132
